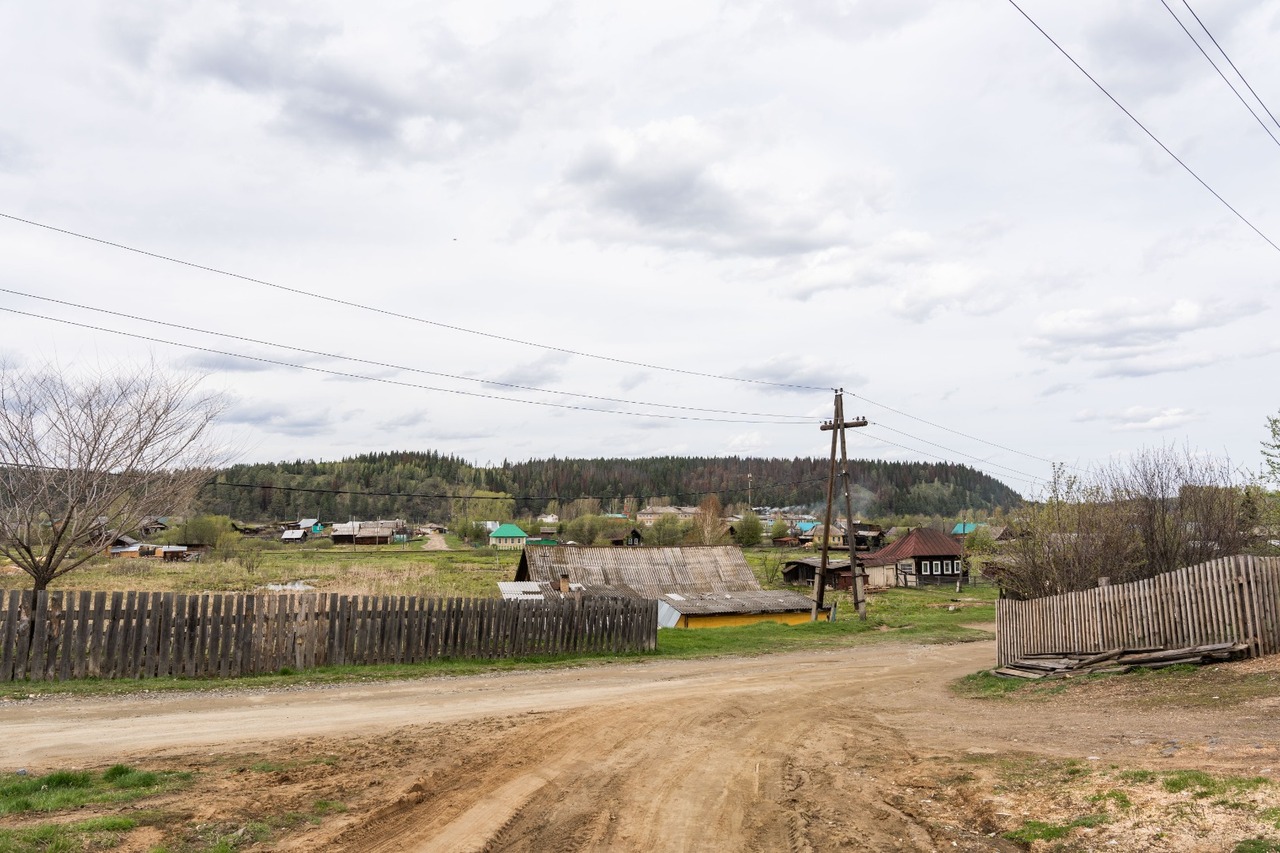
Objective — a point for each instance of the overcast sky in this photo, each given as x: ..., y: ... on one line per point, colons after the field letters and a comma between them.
x: 921, y: 202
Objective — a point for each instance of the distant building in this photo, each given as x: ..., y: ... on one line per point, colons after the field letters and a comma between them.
x: 367, y: 532
x: 508, y: 537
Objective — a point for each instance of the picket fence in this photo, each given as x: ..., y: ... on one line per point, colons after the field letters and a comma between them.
x: 56, y: 636
x: 1233, y: 599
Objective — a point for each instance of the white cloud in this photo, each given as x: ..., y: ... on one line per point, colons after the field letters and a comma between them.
x: 690, y: 184
x: 1133, y: 337
x: 1142, y: 418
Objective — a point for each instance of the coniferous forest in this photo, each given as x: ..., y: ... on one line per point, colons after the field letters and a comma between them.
x: 422, y: 486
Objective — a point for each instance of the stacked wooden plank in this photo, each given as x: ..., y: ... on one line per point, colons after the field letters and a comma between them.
x: 1068, y: 664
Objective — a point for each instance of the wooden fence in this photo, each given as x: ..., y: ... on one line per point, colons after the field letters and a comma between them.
x: 1233, y: 599
x: 57, y: 636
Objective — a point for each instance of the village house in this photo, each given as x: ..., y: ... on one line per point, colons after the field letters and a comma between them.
x: 696, y: 587
x: 508, y: 537
x: 924, y: 556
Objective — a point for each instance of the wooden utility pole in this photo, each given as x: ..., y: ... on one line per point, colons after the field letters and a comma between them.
x: 837, y: 426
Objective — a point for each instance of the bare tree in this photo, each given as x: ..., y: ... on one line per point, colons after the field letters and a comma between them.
x: 1161, y: 509
x: 83, y: 458
x: 708, y: 525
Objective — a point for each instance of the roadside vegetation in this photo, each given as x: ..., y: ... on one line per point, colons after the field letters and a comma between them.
x: 1214, y: 687
x: 1082, y: 805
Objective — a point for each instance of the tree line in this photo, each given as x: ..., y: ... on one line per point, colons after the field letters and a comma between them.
x: 439, y: 487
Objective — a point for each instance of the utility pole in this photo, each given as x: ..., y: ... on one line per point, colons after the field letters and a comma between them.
x: 837, y: 427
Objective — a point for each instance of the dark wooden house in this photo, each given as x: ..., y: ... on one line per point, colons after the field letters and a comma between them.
x: 923, y: 556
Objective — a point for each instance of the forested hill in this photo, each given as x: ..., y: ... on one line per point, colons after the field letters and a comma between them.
x: 427, y: 486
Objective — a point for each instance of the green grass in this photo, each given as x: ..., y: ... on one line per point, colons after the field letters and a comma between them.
x: 1257, y: 845
x: 986, y: 685
x: 1036, y: 830
x: 365, y: 570
x: 65, y: 789
x: 1200, y: 784
x: 1181, y: 686
x: 1116, y: 796
x: 96, y: 834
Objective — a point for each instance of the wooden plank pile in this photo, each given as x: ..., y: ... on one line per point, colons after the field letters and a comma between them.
x: 1068, y: 664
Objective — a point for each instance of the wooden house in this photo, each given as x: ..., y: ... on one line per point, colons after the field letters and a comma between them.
x: 702, y: 586
x: 864, y: 537
x: 923, y: 556
x: 805, y: 570
x: 631, y: 539
x: 367, y: 532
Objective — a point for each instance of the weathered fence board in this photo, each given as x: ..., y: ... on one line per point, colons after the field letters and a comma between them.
x: 60, y: 636
x: 1233, y: 599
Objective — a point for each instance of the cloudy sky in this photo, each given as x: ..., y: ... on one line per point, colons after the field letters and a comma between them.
x: 509, y: 230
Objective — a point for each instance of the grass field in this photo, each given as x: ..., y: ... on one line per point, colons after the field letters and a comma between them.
x: 363, y: 570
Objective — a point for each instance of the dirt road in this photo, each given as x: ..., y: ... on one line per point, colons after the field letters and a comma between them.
x: 849, y: 749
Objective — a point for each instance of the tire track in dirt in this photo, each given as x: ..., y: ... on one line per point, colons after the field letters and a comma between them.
x: 739, y: 768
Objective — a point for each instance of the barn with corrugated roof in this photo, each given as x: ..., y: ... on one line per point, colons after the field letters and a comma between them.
x: 704, y: 586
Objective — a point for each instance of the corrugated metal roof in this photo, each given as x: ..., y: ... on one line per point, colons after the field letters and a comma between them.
x: 649, y: 572
x: 920, y: 542
x: 508, y: 531
x: 693, y: 580
x: 743, y: 601
x: 521, y: 590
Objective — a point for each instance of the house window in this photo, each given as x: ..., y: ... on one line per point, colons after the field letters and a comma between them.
x: 946, y: 567
x: 937, y: 567
x: 924, y: 567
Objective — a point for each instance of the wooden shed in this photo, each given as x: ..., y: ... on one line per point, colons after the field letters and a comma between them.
x: 695, y: 587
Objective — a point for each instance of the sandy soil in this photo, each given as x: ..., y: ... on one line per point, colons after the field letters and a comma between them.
x: 435, y: 542
x: 825, y: 750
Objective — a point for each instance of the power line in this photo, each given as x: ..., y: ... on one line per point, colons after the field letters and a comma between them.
x: 412, y: 318
x: 401, y: 316
x: 1231, y: 85
x: 384, y: 380
x: 1037, y: 482
x: 1144, y: 129
x: 1239, y: 74
x: 372, y: 363
x: 956, y: 452
x: 935, y: 425
x: 482, y: 396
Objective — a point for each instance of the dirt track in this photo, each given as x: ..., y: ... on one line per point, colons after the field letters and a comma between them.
x: 857, y: 748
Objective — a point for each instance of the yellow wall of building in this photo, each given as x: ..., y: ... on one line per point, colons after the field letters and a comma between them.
x: 728, y: 620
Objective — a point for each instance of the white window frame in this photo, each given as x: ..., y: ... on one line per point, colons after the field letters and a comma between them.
x: 937, y: 567
x: 946, y: 567
x: 924, y: 567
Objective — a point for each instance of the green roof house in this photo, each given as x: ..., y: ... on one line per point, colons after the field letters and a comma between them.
x: 508, y: 537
